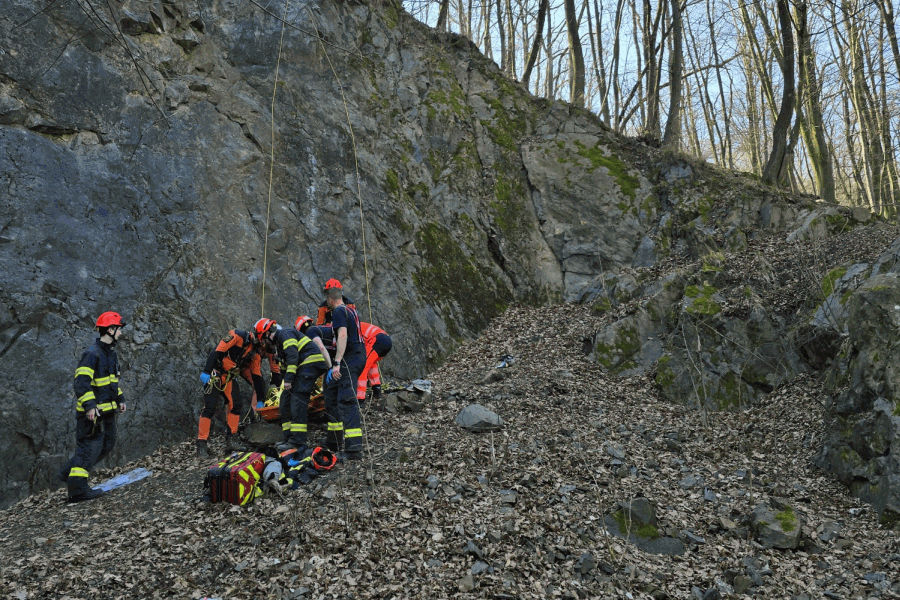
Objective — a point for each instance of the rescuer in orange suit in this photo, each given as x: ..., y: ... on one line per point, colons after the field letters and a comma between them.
x: 236, y: 354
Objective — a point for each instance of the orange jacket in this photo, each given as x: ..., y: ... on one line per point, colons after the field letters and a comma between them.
x: 368, y: 331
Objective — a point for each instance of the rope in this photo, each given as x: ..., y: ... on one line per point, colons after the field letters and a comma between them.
x: 362, y: 418
x: 262, y: 296
x: 362, y: 227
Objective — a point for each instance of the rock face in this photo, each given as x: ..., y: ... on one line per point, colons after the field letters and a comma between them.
x: 863, y: 444
x: 135, y: 160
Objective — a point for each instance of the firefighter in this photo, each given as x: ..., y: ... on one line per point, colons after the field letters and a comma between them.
x: 323, y: 316
x: 98, y: 398
x: 378, y: 344
x: 349, y: 360
x: 323, y: 337
x: 235, y: 354
x: 302, y: 363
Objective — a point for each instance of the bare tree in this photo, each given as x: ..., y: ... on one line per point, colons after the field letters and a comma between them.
x: 538, y: 38
x: 672, y: 135
x: 774, y: 171
x: 576, y: 56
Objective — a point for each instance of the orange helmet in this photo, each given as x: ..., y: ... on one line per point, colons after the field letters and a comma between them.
x: 110, y: 318
x: 333, y: 283
x: 301, y: 321
x: 263, y: 326
x: 323, y: 459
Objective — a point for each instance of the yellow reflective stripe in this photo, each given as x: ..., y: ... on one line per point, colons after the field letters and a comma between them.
x: 339, y: 426
x: 78, y: 472
x: 114, y: 378
x: 120, y: 391
x: 107, y: 406
x: 286, y: 426
x: 313, y: 358
x: 292, y: 369
x: 352, y: 433
x: 301, y: 343
x: 84, y: 371
x: 298, y: 427
x: 244, y: 475
x: 101, y: 381
x: 88, y: 395
x: 290, y: 342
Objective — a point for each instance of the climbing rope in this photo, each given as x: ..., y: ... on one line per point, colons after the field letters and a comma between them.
x: 262, y: 295
x: 362, y: 227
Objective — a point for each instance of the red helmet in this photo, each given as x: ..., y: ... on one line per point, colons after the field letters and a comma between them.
x: 110, y: 318
x: 323, y: 459
x: 301, y: 320
x: 263, y: 326
x: 333, y: 283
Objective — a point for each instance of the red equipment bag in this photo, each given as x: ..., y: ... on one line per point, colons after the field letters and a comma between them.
x: 235, y: 479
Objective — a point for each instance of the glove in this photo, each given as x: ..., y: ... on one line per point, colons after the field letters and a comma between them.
x: 328, y: 377
x: 204, y: 378
x: 260, y: 405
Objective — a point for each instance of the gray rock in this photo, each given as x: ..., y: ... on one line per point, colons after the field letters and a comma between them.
x: 466, y: 584
x: 828, y: 531
x: 776, y: 528
x: 478, y: 419
x: 585, y: 564
x: 690, y: 481
x: 509, y: 497
x: 472, y: 549
x: 481, y: 567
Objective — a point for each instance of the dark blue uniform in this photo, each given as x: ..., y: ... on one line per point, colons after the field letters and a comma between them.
x: 96, y: 386
x: 302, y: 364
x: 352, y: 363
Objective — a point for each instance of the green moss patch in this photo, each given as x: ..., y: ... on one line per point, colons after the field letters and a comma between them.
x: 641, y: 530
x: 616, y: 357
x: 831, y: 278
x: 787, y: 519
x: 702, y: 302
x: 508, y: 206
x: 450, y: 274
x: 617, y: 169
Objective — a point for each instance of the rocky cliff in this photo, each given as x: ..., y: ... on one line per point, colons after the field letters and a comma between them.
x: 135, y: 146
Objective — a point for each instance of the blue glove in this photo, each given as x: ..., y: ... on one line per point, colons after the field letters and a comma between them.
x: 204, y: 378
x: 259, y: 405
x: 328, y: 377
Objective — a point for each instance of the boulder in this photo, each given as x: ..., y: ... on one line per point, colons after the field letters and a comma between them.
x: 478, y: 419
x: 776, y: 526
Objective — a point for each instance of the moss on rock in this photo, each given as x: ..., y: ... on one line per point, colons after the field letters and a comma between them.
x: 450, y: 275
x: 702, y: 302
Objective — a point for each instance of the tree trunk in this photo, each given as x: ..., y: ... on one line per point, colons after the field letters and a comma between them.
x: 614, y: 70
x: 775, y: 165
x: 810, y: 107
x: 536, y: 45
x: 442, y: 15
x: 576, y: 56
x: 671, y: 138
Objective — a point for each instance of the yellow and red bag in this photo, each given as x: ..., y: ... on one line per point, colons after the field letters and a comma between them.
x: 235, y: 479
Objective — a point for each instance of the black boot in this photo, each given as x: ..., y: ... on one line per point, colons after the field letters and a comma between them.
x: 88, y: 494
x: 376, y: 392
x: 202, y: 449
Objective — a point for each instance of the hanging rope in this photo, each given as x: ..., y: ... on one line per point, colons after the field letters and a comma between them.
x: 262, y: 295
x: 362, y: 227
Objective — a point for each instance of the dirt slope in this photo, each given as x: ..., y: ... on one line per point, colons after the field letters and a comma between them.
x: 430, y: 513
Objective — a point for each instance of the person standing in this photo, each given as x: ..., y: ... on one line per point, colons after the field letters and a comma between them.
x: 99, y: 398
x: 349, y: 360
